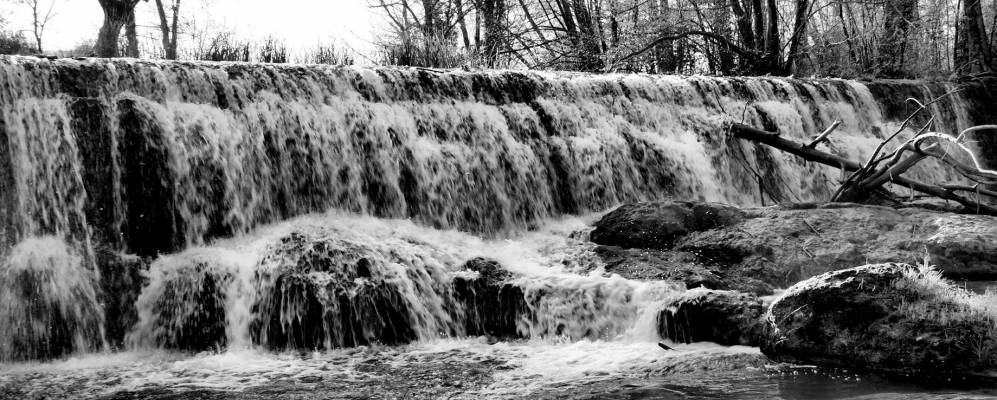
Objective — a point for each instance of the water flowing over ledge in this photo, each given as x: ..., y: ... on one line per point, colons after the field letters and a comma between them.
x: 151, y: 157
x: 219, y: 174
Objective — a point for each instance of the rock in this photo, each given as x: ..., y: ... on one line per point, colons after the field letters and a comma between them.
x: 895, y: 318
x: 965, y: 245
x: 321, y: 291
x: 183, y: 304
x: 644, y: 264
x: 49, y: 305
x: 491, y: 304
x: 121, y: 281
x: 783, y: 245
x: 724, y: 317
x: 656, y: 225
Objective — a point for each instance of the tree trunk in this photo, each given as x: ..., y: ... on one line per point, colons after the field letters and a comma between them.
x: 799, y: 33
x: 900, y: 14
x: 494, y: 12
x: 744, y: 29
x: 972, y: 51
x: 664, y: 52
x: 758, y: 16
x: 131, y: 36
x: 588, y: 49
x: 168, y: 31
x: 116, y: 14
x: 773, y: 51
x: 722, y: 26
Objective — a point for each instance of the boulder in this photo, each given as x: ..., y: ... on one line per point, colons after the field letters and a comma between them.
x: 50, y: 305
x: 779, y: 246
x: 647, y: 264
x: 894, y: 318
x: 491, y: 304
x: 656, y: 225
x: 650, y: 264
x: 724, y: 317
x: 182, y: 305
x: 121, y: 281
x: 966, y: 245
x: 321, y: 291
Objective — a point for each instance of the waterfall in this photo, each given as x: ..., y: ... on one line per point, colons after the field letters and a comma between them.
x: 48, y: 302
x: 164, y: 160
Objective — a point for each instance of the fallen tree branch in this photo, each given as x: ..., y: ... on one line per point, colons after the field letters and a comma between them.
x: 773, y: 139
x: 823, y: 136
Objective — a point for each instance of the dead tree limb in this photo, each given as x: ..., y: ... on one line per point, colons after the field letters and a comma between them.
x: 823, y: 136
x: 892, y: 174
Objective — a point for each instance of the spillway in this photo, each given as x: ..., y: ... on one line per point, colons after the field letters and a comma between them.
x: 212, y: 206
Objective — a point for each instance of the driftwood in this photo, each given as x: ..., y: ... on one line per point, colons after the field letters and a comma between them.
x: 868, y: 179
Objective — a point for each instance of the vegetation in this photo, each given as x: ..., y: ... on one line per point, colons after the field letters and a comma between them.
x: 846, y: 38
x: 12, y: 42
x: 756, y: 37
x: 865, y: 182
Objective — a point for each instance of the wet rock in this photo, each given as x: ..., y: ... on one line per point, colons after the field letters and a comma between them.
x: 782, y: 245
x: 152, y: 221
x: 724, y: 317
x: 183, y: 305
x: 490, y: 302
x: 887, y: 317
x: 49, y: 301
x: 95, y: 139
x: 965, y: 245
x: 121, y: 281
x: 322, y: 291
x: 9, y: 218
x: 656, y: 225
x: 646, y: 264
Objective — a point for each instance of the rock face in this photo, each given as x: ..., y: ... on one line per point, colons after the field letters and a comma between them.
x: 326, y: 292
x: 491, y: 304
x: 724, y: 317
x: 758, y: 248
x: 782, y: 245
x: 121, y: 283
x: 887, y: 317
x: 965, y: 245
x: 656, y: 225
x: 648, y: 264
x: 183, y: 305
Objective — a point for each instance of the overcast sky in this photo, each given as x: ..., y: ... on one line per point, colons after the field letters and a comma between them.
x: 302, y: 23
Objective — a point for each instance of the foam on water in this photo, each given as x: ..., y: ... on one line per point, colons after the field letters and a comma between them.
x: 343, y: 266
x: 422, y: 171
x: 48, y: 302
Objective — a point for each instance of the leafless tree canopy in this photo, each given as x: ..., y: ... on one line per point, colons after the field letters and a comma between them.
x: 846, y: 38
x: 894, y: 38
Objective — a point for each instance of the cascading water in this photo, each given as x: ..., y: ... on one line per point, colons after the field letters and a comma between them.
x: 323, y: 282
x: 215, y: 174
x: 48, y: 302
x: 178, y: 153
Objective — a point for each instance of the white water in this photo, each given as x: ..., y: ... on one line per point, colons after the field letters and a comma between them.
x: 414, y: 262
x: 162, y: 159
x: 48, y: 302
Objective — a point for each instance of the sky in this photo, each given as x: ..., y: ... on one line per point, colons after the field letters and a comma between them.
x: 302, y: 23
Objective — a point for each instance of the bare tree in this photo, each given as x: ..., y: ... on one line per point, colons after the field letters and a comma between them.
x: 168, y: 27
x: 42, y: 12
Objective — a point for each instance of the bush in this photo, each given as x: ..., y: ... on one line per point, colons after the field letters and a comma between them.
x: 423, y: 52
x: 329, y: 54
x: 14, y: 43
x: 272, y: 50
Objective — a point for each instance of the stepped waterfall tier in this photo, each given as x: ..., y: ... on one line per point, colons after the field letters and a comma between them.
x: 213, y: 213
